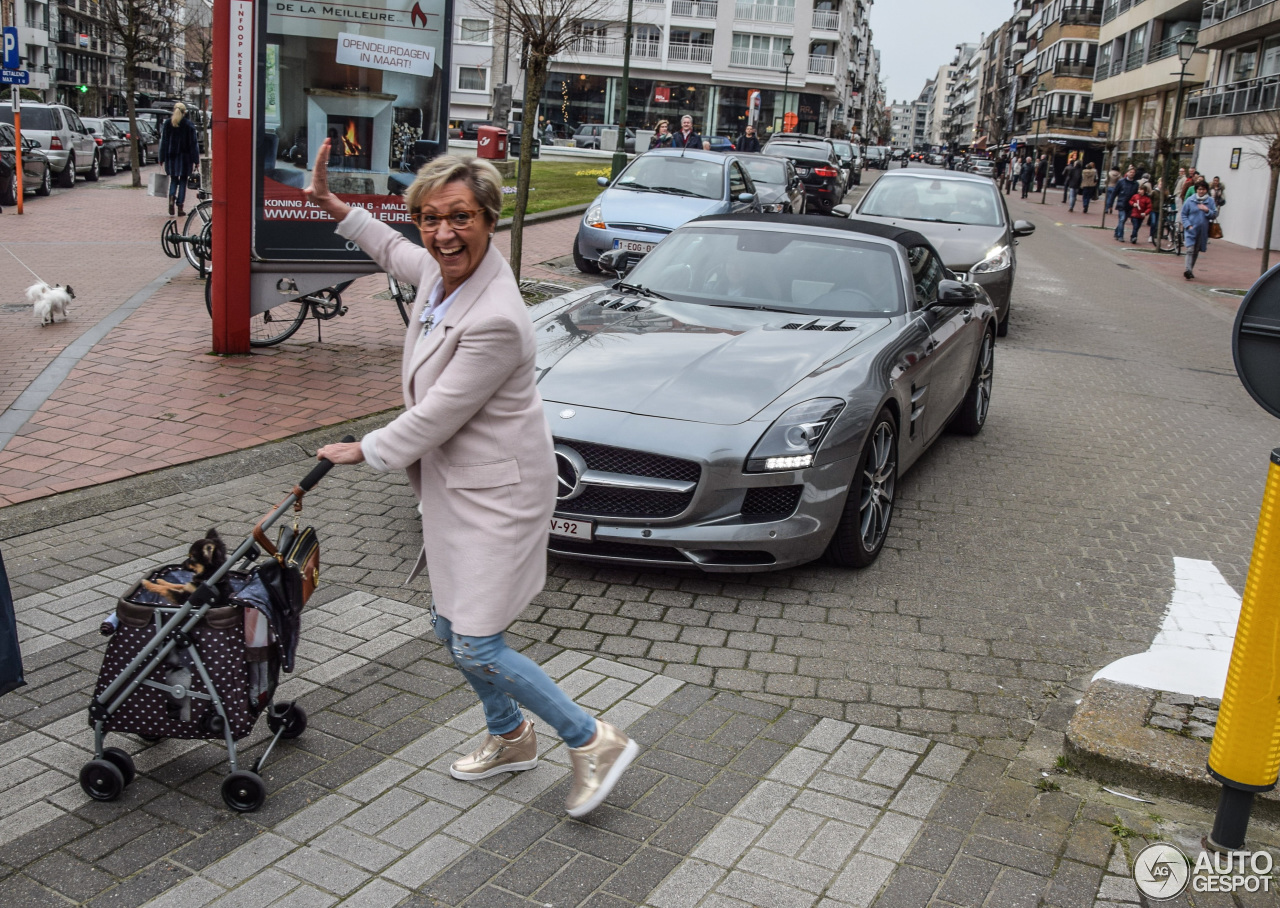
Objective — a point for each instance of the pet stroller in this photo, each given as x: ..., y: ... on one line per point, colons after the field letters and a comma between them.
x: 206, y: 669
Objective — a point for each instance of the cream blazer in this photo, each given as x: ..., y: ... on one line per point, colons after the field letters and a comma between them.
x: 473, y: 437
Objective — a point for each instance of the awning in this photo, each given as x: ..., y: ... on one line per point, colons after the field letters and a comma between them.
x: 980, y: 143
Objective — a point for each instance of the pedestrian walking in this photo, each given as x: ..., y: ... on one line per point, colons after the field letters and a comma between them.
x: 1042, y: 172
x: 686, y: 137
x: 1026, y: 175
x: 1197, y: 212
x: 661, y: 135
x: 1088, y: 185
x: 1139, y: 209
x: 550, y: 133
x: 1180, y: 186
x: 179, y: 154
x: 1125, y: 189
x: 1072, y: 181
x: 478, y: 451
x: 748, y: 141
x: 1113, y: 177
x: 1071, y: 160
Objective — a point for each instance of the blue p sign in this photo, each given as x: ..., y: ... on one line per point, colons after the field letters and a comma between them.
x: 12, y: 60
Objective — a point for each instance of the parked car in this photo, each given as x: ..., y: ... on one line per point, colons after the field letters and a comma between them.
x: 720, y: 143
x: 966, y: 220
x: 936, y: 158
x: 588, y: 136
x: 983, y: 167
x: 818, y: 168
x: 876, y: 156
x: 113, y: 147
x: 656, y: 193
x: 899, y: 154
x: 148, y: 138
x: 37, y: 173
x: 850, y: 161
x: 748, y: 395
x: 778, y: 186
x: 58, y: 131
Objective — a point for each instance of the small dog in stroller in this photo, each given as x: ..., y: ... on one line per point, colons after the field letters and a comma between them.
x: 203, y: 560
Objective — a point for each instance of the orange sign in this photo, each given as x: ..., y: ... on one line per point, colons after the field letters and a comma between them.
x: 790, y: 121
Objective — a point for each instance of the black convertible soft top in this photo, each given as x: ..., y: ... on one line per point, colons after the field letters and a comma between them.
x: 899, y: 235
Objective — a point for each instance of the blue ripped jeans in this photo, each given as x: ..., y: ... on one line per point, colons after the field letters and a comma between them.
x: 501, y: 676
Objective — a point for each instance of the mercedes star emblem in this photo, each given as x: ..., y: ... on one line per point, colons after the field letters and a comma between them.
x: 569, y: 469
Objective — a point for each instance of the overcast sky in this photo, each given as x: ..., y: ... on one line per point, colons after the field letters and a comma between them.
x: 915, y: 37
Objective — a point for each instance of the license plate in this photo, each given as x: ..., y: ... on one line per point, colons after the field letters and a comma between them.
x: 802, y: 171
x: 634, y: 246
x: 572, y: 529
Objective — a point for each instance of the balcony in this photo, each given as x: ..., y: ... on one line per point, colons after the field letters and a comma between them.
x: 605, y: 46
x: 690, y: 53
x: 1167, y: 48
x: 822, y: 65
x: 1080, y: 17
x: 764, y: 12
x: 1134, y: 59
x: 1023, y: 12
x: 1078, y: 69
x: 1104, y: 70
x: 1069, y: 121
x: 695, y: 9
x: 1018, y: 47
x: 755, y: 59
x: 64, y: 75
x: 826, y: 20
x: 1249, y: 96
x: 1216, y: 11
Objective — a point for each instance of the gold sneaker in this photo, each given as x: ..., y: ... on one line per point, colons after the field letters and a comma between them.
x: 498, y: 754
x: 597, y: 767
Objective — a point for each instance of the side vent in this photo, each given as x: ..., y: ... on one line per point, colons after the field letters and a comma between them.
x: 819, y: 324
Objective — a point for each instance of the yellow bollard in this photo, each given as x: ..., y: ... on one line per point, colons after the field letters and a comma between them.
x: 1245, y: 755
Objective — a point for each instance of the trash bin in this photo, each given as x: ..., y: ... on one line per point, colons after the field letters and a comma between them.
x: 491, y: 143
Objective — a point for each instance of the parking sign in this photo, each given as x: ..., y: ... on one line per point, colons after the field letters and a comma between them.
x: 12, y: 59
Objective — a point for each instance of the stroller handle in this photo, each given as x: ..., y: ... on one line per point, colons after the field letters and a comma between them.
x: 320, y: 469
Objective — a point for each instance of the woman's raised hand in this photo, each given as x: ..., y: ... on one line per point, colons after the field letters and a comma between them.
x: 318, y: 192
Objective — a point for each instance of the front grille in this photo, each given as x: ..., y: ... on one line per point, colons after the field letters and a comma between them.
x: 772, y: 503
x: 598, y: 501
x: 735, y: 556
x: 636, y: 463
x: 617, y: 550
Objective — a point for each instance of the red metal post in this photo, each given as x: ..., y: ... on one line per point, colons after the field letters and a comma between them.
x: 234, y: 58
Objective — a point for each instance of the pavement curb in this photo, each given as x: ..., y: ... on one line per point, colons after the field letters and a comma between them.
x: 56, y: 510
x: 1108, y: 740
x: 555, y: 214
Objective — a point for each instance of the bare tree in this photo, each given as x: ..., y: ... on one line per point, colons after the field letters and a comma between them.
x: 1266, y: 132
x: 198, y: 35
x: 545, y: 28
x: 142, y: 31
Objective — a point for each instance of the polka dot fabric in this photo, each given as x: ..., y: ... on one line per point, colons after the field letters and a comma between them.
x: 146, y: 711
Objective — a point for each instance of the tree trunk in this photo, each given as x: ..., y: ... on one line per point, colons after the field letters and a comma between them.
x: 1271, y: 213
x: 535, y: 78
x: 131, y: 86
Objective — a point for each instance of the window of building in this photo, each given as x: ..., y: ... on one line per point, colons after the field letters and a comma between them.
x: 473, y: 78
x: 1270, y: 57
x: 1246, y: 59
x: 473, y: 31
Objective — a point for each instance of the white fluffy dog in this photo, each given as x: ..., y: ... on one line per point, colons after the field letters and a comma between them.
x: 50, y: 302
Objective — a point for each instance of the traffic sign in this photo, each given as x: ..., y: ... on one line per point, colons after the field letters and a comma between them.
x: 15, y: 77
x: 1255, y: 341
x: 12, y: 59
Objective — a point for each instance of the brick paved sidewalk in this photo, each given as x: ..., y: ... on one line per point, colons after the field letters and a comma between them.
x: 149, y: 394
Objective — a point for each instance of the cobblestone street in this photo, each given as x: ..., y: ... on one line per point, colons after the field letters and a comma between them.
x: 812, y: 737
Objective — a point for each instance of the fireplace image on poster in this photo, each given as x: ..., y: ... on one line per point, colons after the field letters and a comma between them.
x: 370, y: 79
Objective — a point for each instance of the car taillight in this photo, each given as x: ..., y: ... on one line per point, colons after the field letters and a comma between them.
x: 825, y: 172
x: 98, y: 139
x: 55, y: 144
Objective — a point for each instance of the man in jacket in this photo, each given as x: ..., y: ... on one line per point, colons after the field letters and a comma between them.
x: 1042, y: 172
x: 748, y: 141
x: 1126, y: 189
x: 1026, y: 175
x: 686, y: 137
x: 1071, y: 181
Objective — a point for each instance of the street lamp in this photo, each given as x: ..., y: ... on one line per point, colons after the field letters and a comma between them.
x: 1041, y: 89
x: 788, y: 56
x: 1186, y: 45
x: 620, y: 152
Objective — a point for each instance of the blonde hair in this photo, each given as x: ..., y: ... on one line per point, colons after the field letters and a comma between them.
x: 179, y: 111
x: 481, y: 177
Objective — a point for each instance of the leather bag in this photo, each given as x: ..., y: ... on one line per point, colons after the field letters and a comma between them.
x: 1215, y: 230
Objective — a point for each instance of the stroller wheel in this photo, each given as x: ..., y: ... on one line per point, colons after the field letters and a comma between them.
x: 151, y: 740
x: 244, y: 791
x: 101, y: 780
x: 122, y: 761
x: 290, y: 716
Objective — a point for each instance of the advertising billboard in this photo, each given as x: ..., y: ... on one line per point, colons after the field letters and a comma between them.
x: 369, y: 75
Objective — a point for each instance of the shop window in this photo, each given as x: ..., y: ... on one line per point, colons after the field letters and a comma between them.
x: 473, y: 78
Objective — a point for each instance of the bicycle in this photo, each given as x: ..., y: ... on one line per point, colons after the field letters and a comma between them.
x: 195, y: 242
x: 1170, y: 239
x: 403, y: 294
x: 282, y: 321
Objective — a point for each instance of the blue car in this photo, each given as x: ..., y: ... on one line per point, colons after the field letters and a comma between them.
x: 658, y: 192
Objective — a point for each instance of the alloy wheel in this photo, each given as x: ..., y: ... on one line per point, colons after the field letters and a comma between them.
x: 879, y: 478
x: 982, y: 381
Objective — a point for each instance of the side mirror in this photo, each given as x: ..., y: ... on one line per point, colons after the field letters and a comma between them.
x: 602, y: 181
x: 843, y: 211
x: 1023, y: 228
x: 614, y: 261
x: 746, y: 197
x: 955, y: 293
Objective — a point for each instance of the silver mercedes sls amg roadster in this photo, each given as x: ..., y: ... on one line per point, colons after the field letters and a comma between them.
x: 747, y: 396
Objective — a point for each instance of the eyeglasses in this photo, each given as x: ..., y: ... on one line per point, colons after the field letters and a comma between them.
x: 458, y: 220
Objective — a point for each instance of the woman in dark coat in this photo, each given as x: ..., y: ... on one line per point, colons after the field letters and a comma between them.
x: 179, y: 153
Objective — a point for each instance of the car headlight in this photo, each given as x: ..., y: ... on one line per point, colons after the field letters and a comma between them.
x: 795, y: 436
x: 775, y: 206
x: 595, y: 217
x: 997, y: 259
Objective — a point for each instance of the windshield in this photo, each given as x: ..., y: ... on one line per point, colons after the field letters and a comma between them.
x: 799, y: 152
x: 675, y: 175
x: 875, y: 151
x: 42, y: 118
x: 766, y: 269
x: 924, y: 199
x: 762, y: 170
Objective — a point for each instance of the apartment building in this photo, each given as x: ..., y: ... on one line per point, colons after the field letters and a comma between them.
x: 1138, y: 68
x: 1234, y: 116
x: 705, y: 58
x: 944, y: 84
x: 1056, y: 109
x: 32, y: 20
x: 995, y: 111
x: 960, y: 130
x: 902, y: 119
